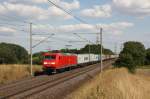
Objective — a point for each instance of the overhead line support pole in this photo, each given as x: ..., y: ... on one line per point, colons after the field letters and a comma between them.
x: 89, y: 52
x: 101, y: 43
x: 31, y: 71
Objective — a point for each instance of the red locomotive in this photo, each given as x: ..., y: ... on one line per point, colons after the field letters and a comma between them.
x: 57, y: 61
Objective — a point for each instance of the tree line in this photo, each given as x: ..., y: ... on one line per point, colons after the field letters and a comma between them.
x: 134, y: 54
x: 15, y: 54
x: 89, y: 48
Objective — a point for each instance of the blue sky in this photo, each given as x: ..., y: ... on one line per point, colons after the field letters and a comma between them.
x: 121, y: 20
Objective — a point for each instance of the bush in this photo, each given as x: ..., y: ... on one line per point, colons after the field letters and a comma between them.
x: 126, y: 60
x: 133, y: 55
x: 7, y: 56
x: 37, y: 58
x: 147, y: 60
x: 11, y: 53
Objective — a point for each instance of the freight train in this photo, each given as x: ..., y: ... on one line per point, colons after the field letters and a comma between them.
x: 54, y: 62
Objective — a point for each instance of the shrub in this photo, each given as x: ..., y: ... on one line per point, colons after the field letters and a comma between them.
x: 147, y: 60
x: 133, y: 55
x: 11, y: 53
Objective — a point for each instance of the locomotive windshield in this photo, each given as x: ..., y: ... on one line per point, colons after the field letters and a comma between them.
x: 52, y: 57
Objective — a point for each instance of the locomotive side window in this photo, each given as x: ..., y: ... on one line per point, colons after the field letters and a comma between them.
x: 50, y: 57
x: 59, y: 57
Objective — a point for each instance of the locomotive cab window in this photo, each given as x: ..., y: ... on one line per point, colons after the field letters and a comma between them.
x: 52, y: 57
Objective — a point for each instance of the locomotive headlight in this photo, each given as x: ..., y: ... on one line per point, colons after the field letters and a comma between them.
x: 45, y: 63
x: 52, y: 63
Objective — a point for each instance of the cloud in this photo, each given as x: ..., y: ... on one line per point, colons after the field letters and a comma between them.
x: 139, y: 8
x: 70, y: 6
x: 115, y: 28
x: 75, y: 4
x: 27, y: 1
x: 75, y: 27
x: 2, y: 9
x: 103, y: 11
x: 32, y: 12
x: 56, y: 12
x: 7, y: 30
x: 24, y: 10
x: 38, y: 38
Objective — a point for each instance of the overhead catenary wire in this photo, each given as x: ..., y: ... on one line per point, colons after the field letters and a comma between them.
x: 45, y: 41
x: 87, y: 41
x: 88, y: 33
x: 8, y: 18
x: 80, y: 20
x: 69, y: 13
x: 76, y: 41
x: 60, y: 39
x: 17, y: 28
x: 40, y: 33
x: 77, y: 18
x: 42, y: 41
x: 16, y: 18
x: 22, y: 30
x: 83, y: 38
x: 10, y: 24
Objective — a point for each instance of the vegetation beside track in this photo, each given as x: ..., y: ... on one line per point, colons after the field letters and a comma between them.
x: 13, y: 54
x: 14, y: 72
x: 133, y: 55
x: 116, y: 83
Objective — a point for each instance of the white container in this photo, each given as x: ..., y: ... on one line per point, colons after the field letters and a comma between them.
x: 83, y: 58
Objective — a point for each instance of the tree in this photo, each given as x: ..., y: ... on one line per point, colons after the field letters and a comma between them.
x: 95, y: 49
x: 7, y: 56
x: 69, y: 51
x: 108, y: 52
x: 126, y: 60
x: 133, y: 55
x: 147, y: 60
x: 20, y: 52
x: 12, y: 53
x: 37, y: 58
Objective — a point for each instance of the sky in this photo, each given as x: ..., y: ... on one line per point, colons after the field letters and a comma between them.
x: 121, y: 20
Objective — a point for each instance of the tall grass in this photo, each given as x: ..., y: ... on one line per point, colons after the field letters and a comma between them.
x: 115, y: 84
x: 10, y: 73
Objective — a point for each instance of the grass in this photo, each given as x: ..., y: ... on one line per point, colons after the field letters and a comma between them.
x: 116, y: 84
x: 10, y: 73
x: 144, y: 67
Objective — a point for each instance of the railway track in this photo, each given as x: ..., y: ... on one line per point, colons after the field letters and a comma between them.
x: 33, y: 86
